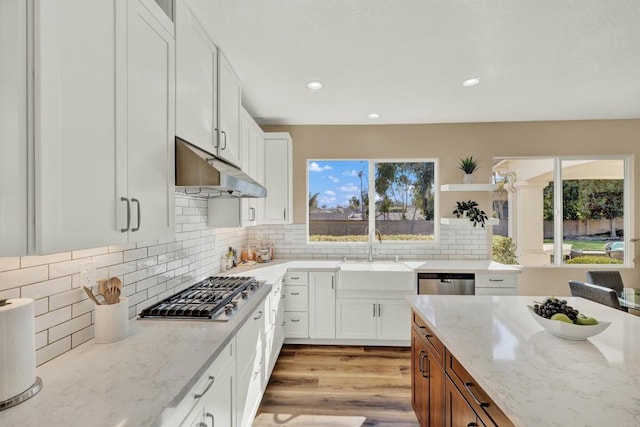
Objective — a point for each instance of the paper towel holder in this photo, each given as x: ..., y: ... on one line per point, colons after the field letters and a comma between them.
x: 25, y: 395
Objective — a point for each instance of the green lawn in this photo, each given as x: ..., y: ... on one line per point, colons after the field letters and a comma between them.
x: 589, y: 245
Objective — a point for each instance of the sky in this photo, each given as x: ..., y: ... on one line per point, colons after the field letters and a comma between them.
x: 336, y: 180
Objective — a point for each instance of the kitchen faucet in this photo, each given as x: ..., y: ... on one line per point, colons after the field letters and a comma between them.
x: 378, y: 236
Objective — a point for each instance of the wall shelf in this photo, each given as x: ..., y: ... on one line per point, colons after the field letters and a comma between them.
x: 452, y: 221
x: 468, y: 187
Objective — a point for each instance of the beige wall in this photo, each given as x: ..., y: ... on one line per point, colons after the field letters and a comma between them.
x: 450, y: 142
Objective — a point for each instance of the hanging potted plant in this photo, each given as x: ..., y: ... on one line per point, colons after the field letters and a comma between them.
x: 470, y: 210
x: 468, y: 166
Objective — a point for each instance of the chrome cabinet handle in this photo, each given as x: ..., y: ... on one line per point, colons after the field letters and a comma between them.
x: 213, y: 420
x: 252, y: 214
x: 420, y: 368
x: 295, y: 320
x: 475, y: 399
x: 225, y: 140
x: 137, y: 202
x: 379, y: 310
x: 332, y: 279
x: 295, y: 293
x: 374, y: 310
x: 212, y: 379
x: 294, y: 277
x: 217, y: 131
x: 496, y: 280
x: 124, y: 199
x: 284, y: 213
x: 259, y: 315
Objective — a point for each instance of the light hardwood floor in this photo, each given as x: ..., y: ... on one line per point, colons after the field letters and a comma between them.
x: 339, y: 386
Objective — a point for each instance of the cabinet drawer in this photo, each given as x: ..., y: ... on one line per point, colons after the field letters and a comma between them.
x: 296, y: 278
x: 426, y: 333
x: 296, y: 324
x: 489, y: 280
x: 474, y: 394
x: 296, y: 298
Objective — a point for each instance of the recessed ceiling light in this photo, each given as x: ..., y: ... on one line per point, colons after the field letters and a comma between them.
x: 374, y: 116
x: 314, y: 85
x: 471, y: 82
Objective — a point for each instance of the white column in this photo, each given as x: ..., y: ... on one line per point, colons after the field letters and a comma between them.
x: 529, y: 227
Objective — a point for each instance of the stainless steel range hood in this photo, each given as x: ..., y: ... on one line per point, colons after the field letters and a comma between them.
x: 201, y: 174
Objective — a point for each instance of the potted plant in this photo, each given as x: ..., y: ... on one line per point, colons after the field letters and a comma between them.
x: 470, y: 210
x: 468, y: 165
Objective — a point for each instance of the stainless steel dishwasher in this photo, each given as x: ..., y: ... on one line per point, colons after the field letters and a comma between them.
x: 446, y: 284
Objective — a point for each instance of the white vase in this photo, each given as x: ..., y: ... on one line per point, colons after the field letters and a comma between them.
x: 467, y: 178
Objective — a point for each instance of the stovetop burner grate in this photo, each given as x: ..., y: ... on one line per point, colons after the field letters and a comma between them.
x: 203, y: 300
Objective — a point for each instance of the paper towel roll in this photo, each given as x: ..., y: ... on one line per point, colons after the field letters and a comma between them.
x: 17, y: 347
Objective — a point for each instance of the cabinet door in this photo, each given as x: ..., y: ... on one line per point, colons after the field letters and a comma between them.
x: 229, y: 97
x: 196, y: 74
x: 419, y: 379
x: 458, y: 412
x: 78, y: 91
x: 13, y: 128
x: 356, y: 319
x: 394, y: 320
x: 218, y: 402
x: 322, y: 305
x: 150, y: 136
x: 278, y: 169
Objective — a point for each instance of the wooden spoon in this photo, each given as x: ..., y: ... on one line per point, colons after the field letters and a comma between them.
x: 112, y: 295
x: 102, y: 286
x: 91, y: 296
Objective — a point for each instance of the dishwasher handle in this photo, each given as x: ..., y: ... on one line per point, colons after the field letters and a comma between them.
x: 446, y: 277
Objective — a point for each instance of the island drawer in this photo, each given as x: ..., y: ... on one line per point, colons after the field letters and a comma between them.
x: 475, y: 395
x: 296, y: 278
x: 426, y: 333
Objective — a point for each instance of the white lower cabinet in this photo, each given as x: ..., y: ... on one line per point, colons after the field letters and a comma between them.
x: 296, y: 305
x: 210, y: 401
x: 250, y: 364
x: 322, y: 305
x: 496, y: 283
x: 382, y: 319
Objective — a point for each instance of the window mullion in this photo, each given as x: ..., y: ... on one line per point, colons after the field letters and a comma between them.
x: 372, y: 202
x: 558, y: 213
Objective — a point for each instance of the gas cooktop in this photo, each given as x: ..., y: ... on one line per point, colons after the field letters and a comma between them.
x: 214, y: 298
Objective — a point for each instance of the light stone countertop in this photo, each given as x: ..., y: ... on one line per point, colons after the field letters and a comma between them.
x: 535, y: 378
x: 452, y: 266
x: 130, y: 382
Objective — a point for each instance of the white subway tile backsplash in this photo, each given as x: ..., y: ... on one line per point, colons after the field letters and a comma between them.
x: 25, y: 276
x: 108, y: 259
x: 66, y: 298
x: 32, y: 261
x: 67, y: 328
x: 53, y: 350
x: 52, y: 318
x: 9, y: 263
x: 82, y: 336
x: 42, y: 339
x: 84, y: 306
x: 45, y: 289
x: 66, y: 268
x: 85, y: 253
x: 135, y: 254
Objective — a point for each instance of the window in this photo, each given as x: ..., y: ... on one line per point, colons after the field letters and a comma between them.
x: 561, y: 211
x: 343, y: 193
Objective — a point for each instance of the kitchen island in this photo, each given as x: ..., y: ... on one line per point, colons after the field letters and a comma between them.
x: 530, y: 376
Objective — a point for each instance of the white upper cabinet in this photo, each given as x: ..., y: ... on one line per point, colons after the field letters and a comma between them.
x: 14, y: 217
x: 196, y: 83
x: 78, y: 91
x: 252, y: 150
x: 150, y: 123
x: 278, y: 162
x: 229, y: 99
x: 104, y: 123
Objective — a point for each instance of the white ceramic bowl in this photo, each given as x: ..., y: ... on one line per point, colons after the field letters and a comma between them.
x: 569, y: 331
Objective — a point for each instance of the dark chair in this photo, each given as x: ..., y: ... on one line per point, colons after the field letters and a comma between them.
x: 608, y: 279
x: 599, y: 294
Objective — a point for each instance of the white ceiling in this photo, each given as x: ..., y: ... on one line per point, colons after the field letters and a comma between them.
x: 406, y: 59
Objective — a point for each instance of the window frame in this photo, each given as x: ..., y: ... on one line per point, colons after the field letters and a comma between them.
x: 371, y: 193
x: 558, y: 226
